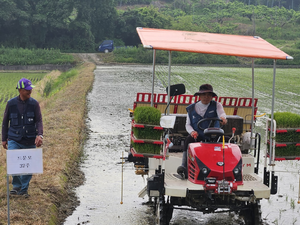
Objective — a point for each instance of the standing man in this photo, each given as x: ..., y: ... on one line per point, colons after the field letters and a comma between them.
x: 205, y: 108
x: 22, y: 128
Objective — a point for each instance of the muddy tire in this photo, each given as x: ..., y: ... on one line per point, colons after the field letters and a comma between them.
x: 169, y: 212
x: 252, y: 216
x: 164, y: 212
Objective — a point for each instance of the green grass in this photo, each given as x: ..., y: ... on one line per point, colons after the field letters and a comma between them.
x: 53, y: 86
x: 9, y: 83
x: 20, y: 56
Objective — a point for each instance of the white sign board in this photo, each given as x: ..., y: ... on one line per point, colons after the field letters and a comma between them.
x: 24, y: 161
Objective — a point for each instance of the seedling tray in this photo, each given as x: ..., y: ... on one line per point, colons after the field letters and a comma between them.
x: 287, y: 151
x: 145, y: 155
x: 138, y: 125
x: 146, y: 131
x: 287, y: 135
x: 145, y: 141
x: 146, y: 146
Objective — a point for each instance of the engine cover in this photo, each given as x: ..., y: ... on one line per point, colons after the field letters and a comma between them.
x: 205, y: 162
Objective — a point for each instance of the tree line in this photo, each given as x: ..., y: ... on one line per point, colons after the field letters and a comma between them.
x: 76, y: 25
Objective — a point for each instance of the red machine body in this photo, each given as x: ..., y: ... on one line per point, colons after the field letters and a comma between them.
x: 209, y: 164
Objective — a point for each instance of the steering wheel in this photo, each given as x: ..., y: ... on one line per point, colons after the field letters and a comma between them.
x: 214, y: 133
x: 212, y: 120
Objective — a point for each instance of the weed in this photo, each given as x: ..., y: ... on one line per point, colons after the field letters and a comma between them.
x: 280, y: 211
x: 294, y: 220
x: 292, y: 203
x: 47, y: 88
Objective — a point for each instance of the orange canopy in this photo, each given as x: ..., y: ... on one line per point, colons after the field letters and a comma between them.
x: 209, y: 43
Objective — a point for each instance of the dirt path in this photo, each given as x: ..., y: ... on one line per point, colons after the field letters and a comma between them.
x: 89, y: 57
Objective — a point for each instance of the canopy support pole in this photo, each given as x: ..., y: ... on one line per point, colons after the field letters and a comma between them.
x: 272, y: 157
x: 153, y: 76
x: 169, y: 82
x: 252, y: 114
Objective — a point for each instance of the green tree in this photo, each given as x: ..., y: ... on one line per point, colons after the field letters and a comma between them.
x: 103, y: 16
x: 30, y: 21
x: 140, y: 17
x: 186, y: 23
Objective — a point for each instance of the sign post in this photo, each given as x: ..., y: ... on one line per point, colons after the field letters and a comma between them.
x: 22, y: 162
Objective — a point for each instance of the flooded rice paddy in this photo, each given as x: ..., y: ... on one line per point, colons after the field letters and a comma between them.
x: 100, y: 197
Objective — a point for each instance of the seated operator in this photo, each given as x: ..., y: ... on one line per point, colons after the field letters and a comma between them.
x: 205, y: 108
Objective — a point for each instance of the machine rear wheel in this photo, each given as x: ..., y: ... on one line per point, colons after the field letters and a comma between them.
x: 252, y: 216
x: 164, y: 212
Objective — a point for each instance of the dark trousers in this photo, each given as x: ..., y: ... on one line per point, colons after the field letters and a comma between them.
x: 189, y: 140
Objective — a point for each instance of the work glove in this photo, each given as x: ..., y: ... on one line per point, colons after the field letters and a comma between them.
x: 194, y: 134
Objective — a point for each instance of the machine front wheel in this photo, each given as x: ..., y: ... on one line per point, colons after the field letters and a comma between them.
x: 252, y: 216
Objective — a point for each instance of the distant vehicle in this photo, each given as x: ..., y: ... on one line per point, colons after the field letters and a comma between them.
x: 106, y: 46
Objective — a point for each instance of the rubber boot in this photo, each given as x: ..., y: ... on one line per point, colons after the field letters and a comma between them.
x: 182, y: 170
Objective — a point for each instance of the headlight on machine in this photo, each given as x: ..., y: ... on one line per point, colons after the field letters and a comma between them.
x: 236, y: 170
x: 204, y: 170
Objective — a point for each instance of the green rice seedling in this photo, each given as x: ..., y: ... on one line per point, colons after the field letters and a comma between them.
x: 289, y: 136
x: 147, y: 133
x: 287, y: 120
x: 297, y: 150
x: 147, y: 148
x: 280, y: 212
x: 288, y: 150
x: 147, y: 115
x: 294, y: 220
x: 292, y: 203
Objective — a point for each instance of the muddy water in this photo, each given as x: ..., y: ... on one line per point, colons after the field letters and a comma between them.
x: 114, y: 91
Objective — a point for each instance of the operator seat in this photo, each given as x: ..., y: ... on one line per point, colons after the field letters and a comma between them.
x: 214, y: 133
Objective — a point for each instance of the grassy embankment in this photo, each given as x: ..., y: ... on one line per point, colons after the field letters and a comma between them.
x: 20, y: 56
x: 63, y: 113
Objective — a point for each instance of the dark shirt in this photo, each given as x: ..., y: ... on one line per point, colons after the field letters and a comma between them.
x: 21, y: 108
